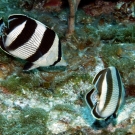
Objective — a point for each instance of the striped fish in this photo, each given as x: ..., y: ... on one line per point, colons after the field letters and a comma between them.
x: 29, y: 39
x: 106, y: 98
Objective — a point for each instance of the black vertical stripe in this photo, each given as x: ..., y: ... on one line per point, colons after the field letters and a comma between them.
x: 97, y: 76
x: 120, y: 89
x: 34, y: 56
x: 109, y: 88
x: 100, y: 82
x: 46, y: 43
x: 15, y: 20
x: 88, y: 98
x: 24, y: 36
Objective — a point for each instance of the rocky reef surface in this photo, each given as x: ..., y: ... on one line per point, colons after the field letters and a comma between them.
x: 50, y: 100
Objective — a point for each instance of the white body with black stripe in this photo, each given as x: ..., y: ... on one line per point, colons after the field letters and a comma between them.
x: 107, y: 96
x: 31, y: 40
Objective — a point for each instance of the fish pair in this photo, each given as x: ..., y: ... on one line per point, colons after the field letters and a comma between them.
x: 106, y: 97
x: 29, y: 39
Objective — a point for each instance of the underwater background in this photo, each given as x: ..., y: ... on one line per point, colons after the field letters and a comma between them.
x: 50, y: 100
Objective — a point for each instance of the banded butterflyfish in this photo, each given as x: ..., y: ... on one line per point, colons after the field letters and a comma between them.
x: 31, y: 40
x: 106, y: 97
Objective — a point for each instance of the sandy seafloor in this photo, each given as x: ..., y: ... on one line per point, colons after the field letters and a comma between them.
x: 50, y: 101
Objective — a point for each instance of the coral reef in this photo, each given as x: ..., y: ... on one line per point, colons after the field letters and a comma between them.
x: 50, y: 100
x: 99, y: 7
x: 31, y: 121
x: 53, y: 5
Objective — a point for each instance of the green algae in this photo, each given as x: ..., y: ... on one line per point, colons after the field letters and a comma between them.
x: 3, y: 121
x: 85, y: 34
x: 125, y: 34
x: 74, y: 79
x: 11, y: 83
x: 118, y: 33
x: 33, y: 115
x: 113, y: 55
x: 8, y: 7
x: 105, y: 132
x: 15, y: 83
x: 32, y: 121
x: 66, y: 108
x: 46, y: 92
x: 107, y: 33
x: 4, y: 58
x: 121, y: 131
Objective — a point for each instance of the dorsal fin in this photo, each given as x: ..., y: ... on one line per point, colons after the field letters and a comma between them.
x: 97, y: 76
x: 17, y: 16
x: 15, y: 20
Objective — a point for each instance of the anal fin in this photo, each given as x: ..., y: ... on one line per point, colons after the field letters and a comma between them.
x: 29, y: 66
